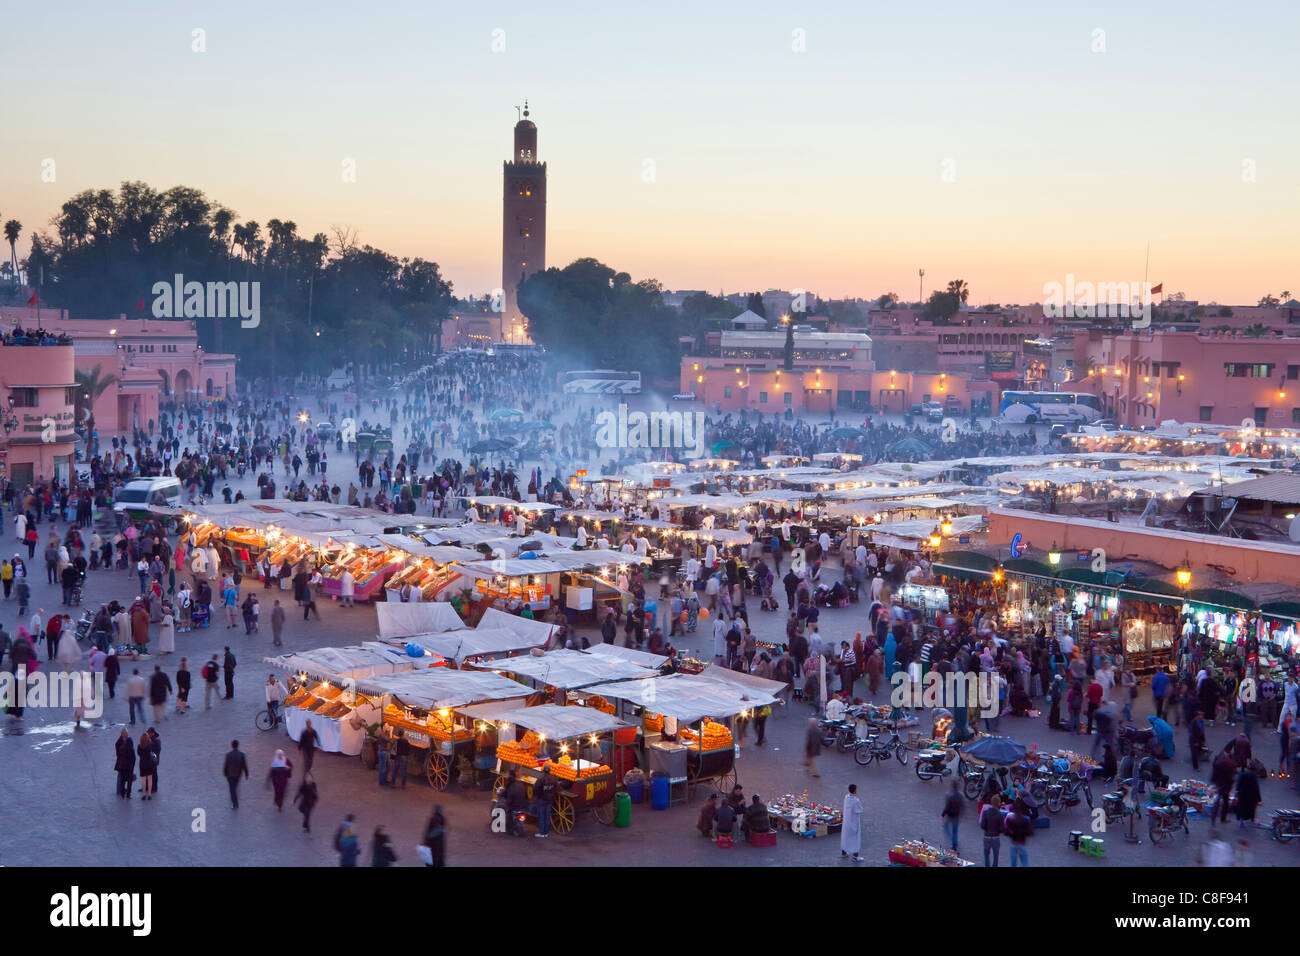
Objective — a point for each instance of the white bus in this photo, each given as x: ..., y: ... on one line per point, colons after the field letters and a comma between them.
x: 1074, y: 408
x: 601, y: 381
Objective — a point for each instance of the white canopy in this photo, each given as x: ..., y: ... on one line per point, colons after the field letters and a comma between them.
x: 552, y: 721
x: 441, y: 553
x: 461, y: 645
x: 331, y: 663
x: 686, y: 697
x: 538, y: 633
x: 725, y: 503
x: 424, y: 617
x: 439, y: 687
x: 569, y: 670
x: 631, y: 654
x: 511, y: 567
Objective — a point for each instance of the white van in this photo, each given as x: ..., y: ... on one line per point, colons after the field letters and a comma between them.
x: 136, y: 497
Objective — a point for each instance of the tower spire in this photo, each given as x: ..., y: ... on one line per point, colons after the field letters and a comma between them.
x: 525, y: 109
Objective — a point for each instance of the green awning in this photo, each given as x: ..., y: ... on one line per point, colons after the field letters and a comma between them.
x: 1288, y: 610
x: 1130, y: 594
x: 1217, y: 597
x: 1030, y: 566
x: 969, y: 574
x: 1088, y: 577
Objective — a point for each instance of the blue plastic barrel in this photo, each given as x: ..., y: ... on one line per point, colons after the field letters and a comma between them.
x: 636, y: 790
x: 659, y: 792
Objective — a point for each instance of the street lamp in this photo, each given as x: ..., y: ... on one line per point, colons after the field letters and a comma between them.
x: 1184, y: 575
x: 1054, y: 556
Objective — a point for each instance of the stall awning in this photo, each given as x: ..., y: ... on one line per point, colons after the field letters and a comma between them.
x: 537, y: 633
x: 630, y: 654
x: 423, y: 617
x: 684, y: 697
x: 512, y: 567
x: 569, y: 670
x: 337, y: 663
x: 461, y: 645
x: 441, y: 687
x: 441, y: 553
x: 743, y: 683
x: 558, y: 723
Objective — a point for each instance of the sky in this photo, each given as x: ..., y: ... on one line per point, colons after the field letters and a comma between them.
x: 833, y: 147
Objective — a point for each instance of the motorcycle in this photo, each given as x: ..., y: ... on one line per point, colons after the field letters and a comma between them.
x: 1065, y: 792
x: 1286, y: 825
x: 1116, y: 804
x: 876, y: 749
x: 1135, y: 740
x: 933, y: 763
x: 1166, y: 819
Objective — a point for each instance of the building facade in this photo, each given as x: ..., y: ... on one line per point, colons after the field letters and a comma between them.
x: 38, y: 391
x: 523, y: 237
x: 1151, y: 376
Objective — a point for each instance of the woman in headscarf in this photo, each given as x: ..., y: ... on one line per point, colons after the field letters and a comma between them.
x: 435, y: 838
x: 692, y: 612
x: 281, y: 771
x: 68, y: 653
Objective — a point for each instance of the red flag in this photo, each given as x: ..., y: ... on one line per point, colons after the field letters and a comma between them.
x: 1157, y: 288
x: 32, y: 301
x: 140, y: 307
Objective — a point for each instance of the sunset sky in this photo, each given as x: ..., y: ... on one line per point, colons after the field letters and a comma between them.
x: 821, y: 169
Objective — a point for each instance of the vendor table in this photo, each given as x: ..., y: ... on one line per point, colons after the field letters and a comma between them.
x: 595, y: 793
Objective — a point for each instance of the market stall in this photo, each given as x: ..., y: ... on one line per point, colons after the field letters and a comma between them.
x: 371, y: 566
x: 401, y: 620
x: 680, y: 716
x: 421, y: 703
x: 553, y: 737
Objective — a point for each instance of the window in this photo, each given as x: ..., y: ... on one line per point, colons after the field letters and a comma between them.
x: 70, y: 395
x: 1248, y: 370
x: 1260, y: 415
x: 789, y: 398
x: 1293, y: 372
x: 1295, y: 416
x: 726, y: 391
x: 24, y: 397
x: 762, y: 398
x: 1206, y: 412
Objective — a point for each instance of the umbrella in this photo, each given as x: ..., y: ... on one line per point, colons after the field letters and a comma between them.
x: 490, y: 444
x: 1000, y: 750
x: 910, y: 446
x: 536, y: 426
x: 723, y: 445
x: 846, y: 432
x: 501, y: 413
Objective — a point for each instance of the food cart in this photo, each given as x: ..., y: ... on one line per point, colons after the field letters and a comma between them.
x: 371, y: 563
x: 421, y: 704
x: 681, y: 718
x: 327, y: 695
x: 553, y: 737
x: 429, y: 568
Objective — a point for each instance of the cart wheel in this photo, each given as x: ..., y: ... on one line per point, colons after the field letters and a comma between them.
x: 724, y: 782
x: 499, y: 782
x: 263, y: 721
x: 604, y: 813
x: 562, y: 815
x: 438, y: 770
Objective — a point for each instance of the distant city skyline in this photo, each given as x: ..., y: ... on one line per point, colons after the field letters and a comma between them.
x: 836, y: 149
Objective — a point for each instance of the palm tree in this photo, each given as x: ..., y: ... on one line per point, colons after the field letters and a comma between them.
x: 1258, y: 330
x: 13, y: 229
x: 959, y: 288
x: 91, y: 384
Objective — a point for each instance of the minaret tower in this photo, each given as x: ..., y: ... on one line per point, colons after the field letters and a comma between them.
x: 523, y: 240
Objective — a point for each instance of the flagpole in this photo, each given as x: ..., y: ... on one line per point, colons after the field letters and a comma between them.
x: 40, y: 287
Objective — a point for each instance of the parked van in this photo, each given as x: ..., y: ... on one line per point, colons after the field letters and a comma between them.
x: 135, y: 499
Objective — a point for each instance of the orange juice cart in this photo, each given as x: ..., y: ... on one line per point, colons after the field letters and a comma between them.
x: 565, y: 740
x: 422, y: 703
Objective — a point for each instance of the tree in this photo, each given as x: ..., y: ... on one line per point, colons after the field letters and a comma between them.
x: 13, y: 229
x: 755, y: 304
x: 888, y: 300
x: 1225, y: 312
x: 942, y: 306
x: 958, y: 288
x: 91, y: 384
x: 1268, y: 300
x: 1258, y: 330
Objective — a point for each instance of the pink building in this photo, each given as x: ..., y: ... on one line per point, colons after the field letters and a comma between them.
x: 155, y: 361
x: 1150, y: 376
x: 37, y: 390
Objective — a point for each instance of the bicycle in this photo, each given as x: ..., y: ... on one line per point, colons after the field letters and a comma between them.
x: 877, y: 749
x: 266, y: 721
